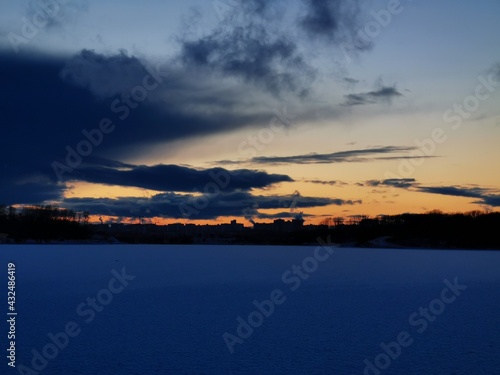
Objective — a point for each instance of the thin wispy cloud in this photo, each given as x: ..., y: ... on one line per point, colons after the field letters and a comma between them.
x: 394, y: 182
x: 329, y: 183
x: 383, y: 95
x: 486, y: 196
x: 351, y: 156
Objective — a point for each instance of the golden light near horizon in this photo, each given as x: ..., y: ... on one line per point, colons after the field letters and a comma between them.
x: 92, y: 190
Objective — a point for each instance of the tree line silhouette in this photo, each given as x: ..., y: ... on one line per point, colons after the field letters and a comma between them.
x: 435, y: 229
x: 474, y: 229
x: 44, y: 223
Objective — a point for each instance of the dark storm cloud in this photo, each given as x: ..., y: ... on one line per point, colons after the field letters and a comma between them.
x: 169, y: 205
x: 384, y: 94
x: 351, y: 156
x: 177, y: 178
x: 42, y: 113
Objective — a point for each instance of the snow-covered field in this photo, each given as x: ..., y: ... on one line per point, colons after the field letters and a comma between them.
x: 251, y: 310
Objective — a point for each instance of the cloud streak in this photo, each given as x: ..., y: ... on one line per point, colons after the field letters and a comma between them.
x: 167, y: 205
x: 329, y: 183
x: 351, y: 156
x: 488, y: 197
x: 383, y: 95
x: 393, y: 182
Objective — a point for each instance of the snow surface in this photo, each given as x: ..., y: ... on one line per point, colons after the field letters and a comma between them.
x: 171, y: 318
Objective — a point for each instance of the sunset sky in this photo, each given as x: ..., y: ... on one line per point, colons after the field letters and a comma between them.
x: 206, y: 111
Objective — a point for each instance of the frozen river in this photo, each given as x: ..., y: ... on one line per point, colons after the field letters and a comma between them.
x: 251, y: 310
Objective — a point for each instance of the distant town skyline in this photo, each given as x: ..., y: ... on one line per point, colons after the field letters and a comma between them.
x: 212, y: 111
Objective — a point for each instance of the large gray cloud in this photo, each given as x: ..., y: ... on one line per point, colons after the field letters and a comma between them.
x: 269, y: 52
x: 247, y: 47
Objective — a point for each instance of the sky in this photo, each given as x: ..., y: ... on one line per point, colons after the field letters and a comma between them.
x: 208, y: 111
